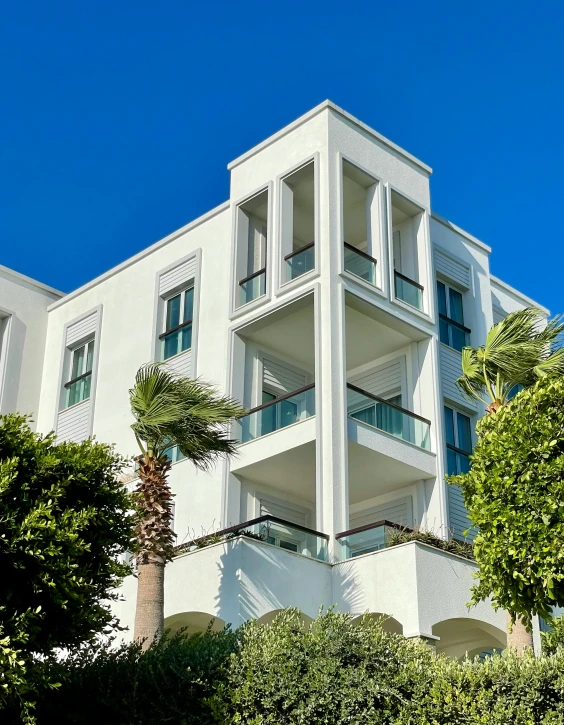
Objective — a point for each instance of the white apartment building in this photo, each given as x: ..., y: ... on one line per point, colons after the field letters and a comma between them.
x: 328, y: 298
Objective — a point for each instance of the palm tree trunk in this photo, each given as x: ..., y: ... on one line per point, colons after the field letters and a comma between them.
x: 149, y: 612
x: 518, y: 637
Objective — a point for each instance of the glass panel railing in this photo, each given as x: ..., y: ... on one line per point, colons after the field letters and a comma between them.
x: 291, y: 537
x: 388, y: 417
x: 271, y: 530
x: 277, y: 414
x: 364, y: 540
x: 300, y: 262
x: 359, y: 263
x: 408, y: 290
x: 252, y: 287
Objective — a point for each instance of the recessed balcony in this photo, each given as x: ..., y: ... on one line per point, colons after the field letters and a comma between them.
x: 276, y: 414
x: 360, y: 264
x: 408, y: 291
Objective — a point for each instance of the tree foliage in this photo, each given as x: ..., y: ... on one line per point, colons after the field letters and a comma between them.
x: 514, y: 493
x: 553, y: 639
x: 332, y: 671
x: 519, y: 350
x: 64, y: 520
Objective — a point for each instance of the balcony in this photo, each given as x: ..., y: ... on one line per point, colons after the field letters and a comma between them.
x: 252, y: 287
x: 300, y: 261
x: 364, y: 539
x: 277, y: 414
x: 408, y: 290
x: 360, y: 264
x: 272, y: 530
x: 388, y: 417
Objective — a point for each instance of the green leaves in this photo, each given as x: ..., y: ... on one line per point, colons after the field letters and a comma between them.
x: 514, y: 494
x: 519, y: 350
x: 179, y: 411
x: 64, y: 520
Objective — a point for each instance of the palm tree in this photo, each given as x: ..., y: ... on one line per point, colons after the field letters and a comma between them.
x: 169, y: 411
x: 519, y: 350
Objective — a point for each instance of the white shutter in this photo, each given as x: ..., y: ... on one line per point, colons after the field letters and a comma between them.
x: 281, y: 377
x: 398, y: 511
x: 381, y: 381
x: 458, y: 519
x: 284, y: 511
x: 81, y: 330
x: 451, y: 269
x: 498, y: 314
x: 180, y: 365
x: 450, y: 362
x: 72, y: 423
x: 178, y: 276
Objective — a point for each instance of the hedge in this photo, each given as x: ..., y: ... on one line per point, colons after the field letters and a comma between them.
x: 329, y: 672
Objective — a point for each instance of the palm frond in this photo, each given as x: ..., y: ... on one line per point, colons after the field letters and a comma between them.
x: 189, y: 413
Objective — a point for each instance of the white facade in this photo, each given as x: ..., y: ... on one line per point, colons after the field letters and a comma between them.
x: 320, y: 273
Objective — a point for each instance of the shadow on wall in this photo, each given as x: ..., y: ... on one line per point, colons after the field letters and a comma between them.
x: 193, y: 622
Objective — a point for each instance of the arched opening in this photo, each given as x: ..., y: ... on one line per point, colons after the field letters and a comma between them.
x: 388, y: 625
x: 193, y: 622
x: 270, y: 616
x: 465, y: 636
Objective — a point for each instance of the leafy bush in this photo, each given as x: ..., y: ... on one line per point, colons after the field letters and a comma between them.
x: 172, y: 682
x: 514, y: 493
x: 453, y: 546
x: 553, y: 640
x: 329, y: 672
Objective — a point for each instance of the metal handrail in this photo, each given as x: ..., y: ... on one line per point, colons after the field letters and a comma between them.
x: 298, y: 251
x: 282, y: 397
x: 359, y: 251
x: 459, y: 450
x: 387, y: 402
x: 408, y: 279
x: 80, y: 377
x: 455, y: 323
x: 367, y: 527
x: 175, y: 329
x: 251, y: 276
x: 241, y: 527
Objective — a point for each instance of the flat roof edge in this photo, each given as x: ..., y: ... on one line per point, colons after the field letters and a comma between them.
x: 314, y: 112
x: 142, y: 254
x: 525, y: 298
x: 31, y: 281
x: 459, y: 230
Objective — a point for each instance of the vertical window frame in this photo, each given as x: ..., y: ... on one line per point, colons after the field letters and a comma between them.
x: 85, y: 373
x: 447, y: 323
x: 455, y: 447
x: 183, y: 324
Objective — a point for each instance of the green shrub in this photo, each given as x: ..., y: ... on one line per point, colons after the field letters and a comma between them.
x: 329, y: 672
x: 453, y: 546
x: 553, y: 640
x: 169, y: 683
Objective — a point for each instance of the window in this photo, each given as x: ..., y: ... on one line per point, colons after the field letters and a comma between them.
x: 280, y: 415
x: 458, y: 434
x: 174, y: 454
x: 451, y: 318
x: 177, y: 335
x: 78, y: 387
x: 252, y: 236
x: 297, y: 194
x: 382, y: 416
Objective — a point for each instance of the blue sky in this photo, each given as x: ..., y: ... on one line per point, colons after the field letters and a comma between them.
x: 118, y: 119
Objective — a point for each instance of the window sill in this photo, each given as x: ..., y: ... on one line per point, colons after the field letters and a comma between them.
x: 363, y: 283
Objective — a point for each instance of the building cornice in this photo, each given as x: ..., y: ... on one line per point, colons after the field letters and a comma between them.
x: 328, y: 105
x: 458, y: 230
x: 142, y: 254
x: 508, y: 288
x: 19, y: 277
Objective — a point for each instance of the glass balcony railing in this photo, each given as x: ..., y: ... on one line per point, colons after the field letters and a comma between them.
x: 271, y: 530
x: 252, y: 287
x: 365, y: 539
x: 276, y: 414
x: 408, y: 290
x: 388, y: 417
x: 300, y: 261
x: 360, y: 264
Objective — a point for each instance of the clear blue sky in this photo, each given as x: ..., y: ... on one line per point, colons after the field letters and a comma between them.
x: 117, y: 119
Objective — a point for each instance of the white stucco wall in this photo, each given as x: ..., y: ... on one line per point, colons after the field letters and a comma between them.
x: 23, y: 326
